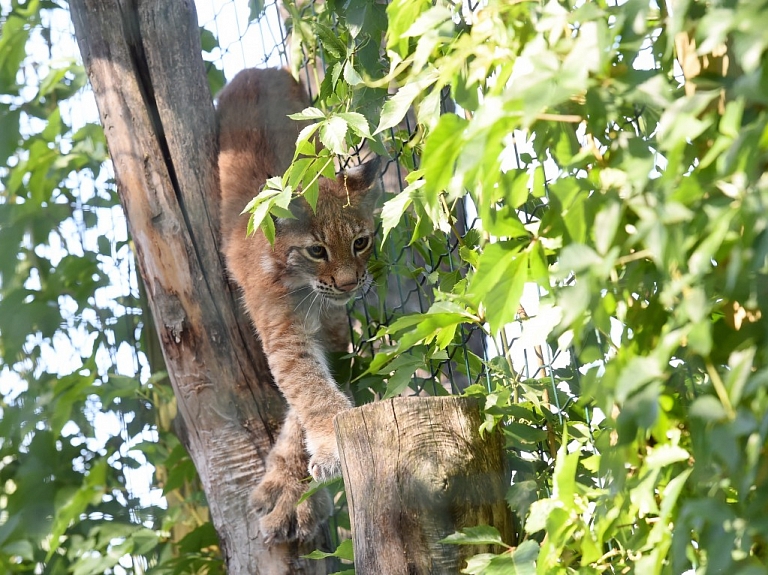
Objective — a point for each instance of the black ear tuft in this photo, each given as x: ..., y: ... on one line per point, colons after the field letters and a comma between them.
x: 361, y: 178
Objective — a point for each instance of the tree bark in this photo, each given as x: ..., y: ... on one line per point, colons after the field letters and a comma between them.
x: 143, y: 59
x: 416, y: 470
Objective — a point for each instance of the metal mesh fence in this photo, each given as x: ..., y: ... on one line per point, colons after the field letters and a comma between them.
x: 239, y: 34
x: 404, y: 275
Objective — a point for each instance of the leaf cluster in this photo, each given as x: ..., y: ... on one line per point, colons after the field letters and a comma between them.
x: 616, y: 169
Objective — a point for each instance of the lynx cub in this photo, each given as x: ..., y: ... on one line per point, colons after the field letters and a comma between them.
x: 296, y: 290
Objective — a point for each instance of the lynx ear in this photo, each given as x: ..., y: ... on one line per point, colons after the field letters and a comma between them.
x: 360, y: 181
x: 300, y: 209
x: 362, y: 177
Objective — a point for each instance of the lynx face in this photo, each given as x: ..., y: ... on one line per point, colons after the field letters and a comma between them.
x: 328, y: 251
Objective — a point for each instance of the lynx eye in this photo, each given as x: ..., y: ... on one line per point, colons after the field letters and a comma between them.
x: 317, y: 252
x: 361, y: 243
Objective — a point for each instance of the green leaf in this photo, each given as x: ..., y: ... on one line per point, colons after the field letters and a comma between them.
x: 498, y: 283
x: 708, y: 408
x: 304, y: 145
x: 524, y: 557
x: 310, y: 113
x: 330, y: 41
x: 428, y: 110
x: 513, y: 185
x: 520, y: 434
x: 13, y: 41
x: 315, y: 486
x: 637, y: 373
x: 438, y: 324
x: 502, y: 221
x: 522, y: 561
x: 311, y: 193
x: 539, y: 513
x: 256, y: 9
x: 660, y: 538
x: 261, y: 206
x: 216, y: 79
x: 20, y: 548
x: 740, y: 363
x: 477, y: 564
x: 606, y: 225
x: 357, y: 123
x: 402, y: 368
x: 480, y: 535
x: 208, y: 41
x: 351, y: 76
x: 76, y: 502
x: 520, y: 496
x: 402, y: 14
x: 428, y: 20
x: 69, y: 391
x: 394, y: 208
x: 397, y: 106
x: 345, y: 550
x: 9, y: 132
x: 144, y: 541
x: 564, y: 476
x: 267, y: 226
x: 441, y: 150
x: 333, y: 134
x: 663, y: 455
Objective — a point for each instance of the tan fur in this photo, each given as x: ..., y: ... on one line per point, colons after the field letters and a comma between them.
x: 293, y: 299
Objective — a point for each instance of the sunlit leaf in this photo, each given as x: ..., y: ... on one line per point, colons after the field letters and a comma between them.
x: 333, y: 134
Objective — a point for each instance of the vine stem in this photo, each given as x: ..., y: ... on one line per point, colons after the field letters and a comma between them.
x: 320, y: 171
x: 719, y: 386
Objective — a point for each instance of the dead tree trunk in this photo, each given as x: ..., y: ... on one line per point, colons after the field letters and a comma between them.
x: 144, y: 62
x: 416, y: 470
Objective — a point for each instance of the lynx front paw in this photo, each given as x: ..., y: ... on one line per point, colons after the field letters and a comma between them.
x: 280, y: 518
x: 324, y: 464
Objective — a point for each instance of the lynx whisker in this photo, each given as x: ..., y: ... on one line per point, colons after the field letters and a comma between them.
x: 306, y: 317
x: 297, y: 290
x: 304, y: 299
x: 370, y: 293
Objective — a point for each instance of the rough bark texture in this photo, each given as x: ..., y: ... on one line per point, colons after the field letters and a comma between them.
x: 416, y: 470
x: 144, y: 62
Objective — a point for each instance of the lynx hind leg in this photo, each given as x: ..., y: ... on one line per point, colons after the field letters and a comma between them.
x: 275, y: 498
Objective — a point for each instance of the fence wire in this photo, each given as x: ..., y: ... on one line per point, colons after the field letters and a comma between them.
x: 404, y: 275
x: 235, y: 37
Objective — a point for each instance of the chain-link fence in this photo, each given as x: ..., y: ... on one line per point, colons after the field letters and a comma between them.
x: 254, y: 36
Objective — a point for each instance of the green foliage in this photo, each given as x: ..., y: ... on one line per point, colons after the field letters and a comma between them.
x: 343, y: 551
x: 81, y: 416
x: 627, y: 187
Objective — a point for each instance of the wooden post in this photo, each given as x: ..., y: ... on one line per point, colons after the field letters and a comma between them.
x: 143, y: 59
x: 416, y: 470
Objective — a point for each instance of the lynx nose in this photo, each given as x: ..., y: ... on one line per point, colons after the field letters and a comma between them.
x: 347, y: 284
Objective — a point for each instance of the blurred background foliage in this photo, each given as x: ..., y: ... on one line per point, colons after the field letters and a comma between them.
x: 575, y: 232
x: 92, y: 476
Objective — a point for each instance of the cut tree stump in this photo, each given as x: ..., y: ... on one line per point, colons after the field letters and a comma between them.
x: 416, y: 470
